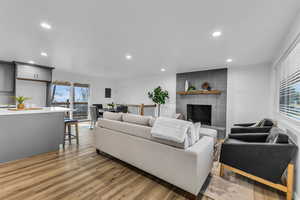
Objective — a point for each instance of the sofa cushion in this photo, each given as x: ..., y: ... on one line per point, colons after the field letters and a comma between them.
x: 125, y: 127
x: 136, y: 119
x: 112, y: 116
x: 137, y: 130
x: 151, y: 121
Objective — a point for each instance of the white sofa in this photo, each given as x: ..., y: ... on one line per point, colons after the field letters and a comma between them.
x: 131, y: 142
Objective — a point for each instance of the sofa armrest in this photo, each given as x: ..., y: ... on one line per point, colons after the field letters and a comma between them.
x: 250, y: 137
x: 264, y: 160
x: 244, y: 124
x: 250, y: 130
x: 209, y: 132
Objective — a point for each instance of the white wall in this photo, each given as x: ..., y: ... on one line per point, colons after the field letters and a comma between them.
x: 134, y: 91
x: 97, y: 84
x: 290, y: 125
x: 248, y: 94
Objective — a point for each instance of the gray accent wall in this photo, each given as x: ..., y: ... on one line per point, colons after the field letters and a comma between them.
x: 217, y: 80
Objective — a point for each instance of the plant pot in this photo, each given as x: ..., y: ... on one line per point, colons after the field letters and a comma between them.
x: 21, y: 106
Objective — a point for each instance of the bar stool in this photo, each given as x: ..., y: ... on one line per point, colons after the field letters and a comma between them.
x: 68, y: 133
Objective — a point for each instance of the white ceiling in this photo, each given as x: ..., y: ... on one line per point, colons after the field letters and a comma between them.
x: 93, y: 36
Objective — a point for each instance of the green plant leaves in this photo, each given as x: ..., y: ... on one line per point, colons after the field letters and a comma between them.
x: 158, y: 95
x: 21, y: 99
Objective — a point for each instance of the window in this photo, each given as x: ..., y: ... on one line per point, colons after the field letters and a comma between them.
x: 289, y: 89
x: 76, y: 96
x: 80, y: 101
x: 61, y: 94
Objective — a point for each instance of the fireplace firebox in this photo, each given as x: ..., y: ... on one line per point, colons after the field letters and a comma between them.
x: 199, y: 113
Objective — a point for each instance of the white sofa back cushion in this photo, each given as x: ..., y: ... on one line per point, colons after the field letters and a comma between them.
x: 152, y: 121
x: 136, y: 119
x: 112, y: 116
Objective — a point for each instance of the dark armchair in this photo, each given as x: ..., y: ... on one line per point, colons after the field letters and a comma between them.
x: 264, y: 126
x: 261, y: 157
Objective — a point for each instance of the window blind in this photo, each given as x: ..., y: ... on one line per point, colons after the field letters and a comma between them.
x: 289, y: 89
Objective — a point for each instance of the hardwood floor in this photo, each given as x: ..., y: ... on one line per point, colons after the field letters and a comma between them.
x: 79, y: 173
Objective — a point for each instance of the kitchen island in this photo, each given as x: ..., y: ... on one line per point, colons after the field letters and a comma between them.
x: 30, y: 132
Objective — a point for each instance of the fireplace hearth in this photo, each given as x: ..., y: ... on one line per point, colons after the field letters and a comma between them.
x: 199, y: 113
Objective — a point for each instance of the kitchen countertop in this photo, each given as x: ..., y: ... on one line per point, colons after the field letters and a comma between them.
x: 5, y: 111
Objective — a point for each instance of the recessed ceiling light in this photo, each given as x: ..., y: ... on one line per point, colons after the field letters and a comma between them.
x: 45, y: 25
x: 31, y: 62
x: 217, y: 34
x: 229, y: 60
x: 163, y: 69
x: 128, y: 57
x: 44, y: 54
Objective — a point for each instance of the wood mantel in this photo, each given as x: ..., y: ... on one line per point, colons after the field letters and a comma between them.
x: 195, y: 92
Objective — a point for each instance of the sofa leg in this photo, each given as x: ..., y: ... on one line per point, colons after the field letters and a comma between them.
x: 290, y: 182
x: 98, y: 151
x: 221, y: 170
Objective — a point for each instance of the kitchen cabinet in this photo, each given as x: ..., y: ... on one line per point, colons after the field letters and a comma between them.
x: 33, y: 72
x: 7, y: 77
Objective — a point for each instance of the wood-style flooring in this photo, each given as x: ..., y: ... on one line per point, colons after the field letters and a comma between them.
x: 79, y: 173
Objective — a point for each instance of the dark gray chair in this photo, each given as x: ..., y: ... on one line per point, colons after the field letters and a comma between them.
x: 261, y: 157
x: 264, y: 126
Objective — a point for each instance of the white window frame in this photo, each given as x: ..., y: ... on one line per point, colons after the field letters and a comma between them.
x: 277, y: 82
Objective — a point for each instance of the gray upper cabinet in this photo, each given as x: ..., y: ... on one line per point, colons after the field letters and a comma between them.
x: 7, y: 77
x: 30, y: 72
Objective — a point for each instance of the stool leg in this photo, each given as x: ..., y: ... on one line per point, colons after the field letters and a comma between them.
x: 91, y: 124
x: 64, y: 139
x: 77, y: 133
x: 69, y: 134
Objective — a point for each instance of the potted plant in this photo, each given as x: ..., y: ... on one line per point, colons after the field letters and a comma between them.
x: 191, y: 88
x: 111, y: 105
x: 158, y: 96
x: 21, y: 100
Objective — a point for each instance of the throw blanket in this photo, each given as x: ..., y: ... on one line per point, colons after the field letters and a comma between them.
x: 175, y: 130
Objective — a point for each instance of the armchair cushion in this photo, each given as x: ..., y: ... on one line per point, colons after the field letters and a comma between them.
x: 250, y: 130
x: 250, y: 137
x: 245, y: 124
x: 263, y: 126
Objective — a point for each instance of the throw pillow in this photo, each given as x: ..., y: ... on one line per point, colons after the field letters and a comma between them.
x: 273, y: 134
x: 151, y: 121
x: 282, y: 139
